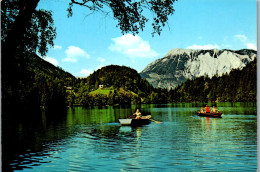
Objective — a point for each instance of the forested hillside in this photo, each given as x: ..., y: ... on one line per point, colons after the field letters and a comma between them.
x: 28, y: 82
x: 43, y: 85
x: 121, y: 85
x: 237, y: 86
x: 119, y: 77
x: 36, y: 84
x: 37, y: 63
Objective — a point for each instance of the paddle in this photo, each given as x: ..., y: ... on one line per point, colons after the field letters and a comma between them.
x: 130, y: 116
x: 157, y: 122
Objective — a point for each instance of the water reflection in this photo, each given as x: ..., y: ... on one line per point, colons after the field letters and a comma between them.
x: 209, y: 123
x: 87, y: 139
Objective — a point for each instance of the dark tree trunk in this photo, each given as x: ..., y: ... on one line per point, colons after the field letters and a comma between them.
x: 12, y: 61
x: 15, y: 35
x: 21, y: 22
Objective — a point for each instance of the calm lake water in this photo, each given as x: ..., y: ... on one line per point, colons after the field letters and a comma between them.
x: 91, y: 139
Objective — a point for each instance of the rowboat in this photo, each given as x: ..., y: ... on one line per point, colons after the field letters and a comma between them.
x: 136, y: 122
x: 211, y: 114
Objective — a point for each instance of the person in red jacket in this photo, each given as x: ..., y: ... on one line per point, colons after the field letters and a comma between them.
x: 207, y: 109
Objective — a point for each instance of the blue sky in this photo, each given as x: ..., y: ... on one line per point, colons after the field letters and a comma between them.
x: 85, y: 42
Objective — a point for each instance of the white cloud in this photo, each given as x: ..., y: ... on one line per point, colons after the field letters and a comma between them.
x: 242, y: 38
x: 85, y: 72
x: 245, y: 41
x: 69, y: 59
x: 57, y: 47
x: 203, y: 47
x: 132, y: 46
x: 74, y: 53
x: 51, y: 60
x: 100, y: 59
x: 251, y: 46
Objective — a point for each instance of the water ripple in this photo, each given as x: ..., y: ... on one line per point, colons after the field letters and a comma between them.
x: 182, y: 142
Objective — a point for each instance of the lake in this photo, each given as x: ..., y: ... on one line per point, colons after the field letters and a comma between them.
x: 91, y: 139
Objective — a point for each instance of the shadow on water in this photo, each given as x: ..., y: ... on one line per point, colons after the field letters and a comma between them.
x: 34, y: 134
x: 24, y: 135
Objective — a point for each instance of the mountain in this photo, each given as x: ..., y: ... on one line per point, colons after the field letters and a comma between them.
x: 113, y: 85
x: 37, y: 63
x: 178, y: 65
x: 35, y: 83
x: 237, y: 86
x: 118, y: 77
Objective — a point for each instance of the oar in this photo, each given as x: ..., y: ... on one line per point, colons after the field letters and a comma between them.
x: 157, y: 122
x: 131, y: 116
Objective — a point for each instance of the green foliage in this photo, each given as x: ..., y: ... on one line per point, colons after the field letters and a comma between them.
x: 44, y: 85
x: 237, y: 86
x: 40, y: 84
x: 30, y: 83
x: 122, y: 85
x: 102, y: 91
x: 51, y: 92
x: 117, y: 77
x: 130, y: 14
x: 39, y: 33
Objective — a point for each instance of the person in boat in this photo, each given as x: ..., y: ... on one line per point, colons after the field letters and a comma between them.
x: 214, y: 110
x: 207, y: 109
x: 201, y: 110
x: 137, y: 114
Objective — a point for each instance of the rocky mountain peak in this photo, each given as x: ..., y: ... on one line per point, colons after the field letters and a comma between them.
x: 179, y: 64
x: 179, y: 51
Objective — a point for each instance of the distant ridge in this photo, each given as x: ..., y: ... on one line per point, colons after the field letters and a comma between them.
x: 178, y: 65
x: 37, y: 63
